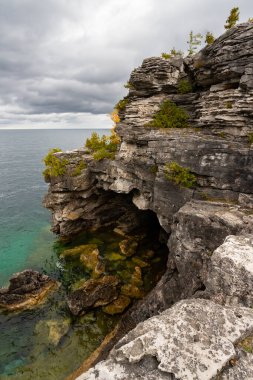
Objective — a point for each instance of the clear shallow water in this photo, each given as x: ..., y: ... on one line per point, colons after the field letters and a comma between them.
x: 25, y: 237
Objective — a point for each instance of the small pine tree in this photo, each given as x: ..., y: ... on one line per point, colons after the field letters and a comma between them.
x: 209, y: 38
x: 194, y: 42
x: 232, y: 18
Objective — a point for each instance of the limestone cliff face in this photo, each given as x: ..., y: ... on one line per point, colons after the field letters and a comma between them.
x: 218, y: 149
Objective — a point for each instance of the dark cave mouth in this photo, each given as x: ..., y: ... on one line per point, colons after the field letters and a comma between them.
x: 131, y: 244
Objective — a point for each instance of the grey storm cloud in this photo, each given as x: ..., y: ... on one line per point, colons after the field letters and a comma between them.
x: 71, y: 57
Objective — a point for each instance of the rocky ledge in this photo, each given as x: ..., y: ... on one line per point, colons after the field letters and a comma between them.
x: 27, y: 289
x: 205, y: 297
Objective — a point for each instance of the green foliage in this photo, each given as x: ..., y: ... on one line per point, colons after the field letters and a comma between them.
x: 222, y: 135
x: 176, y: 53
x: 170, y: 116
x: 166, y: 55
x: 179, y: 175
x: 129, y: 85
x: 121, y: 105
x: 103, y: 147
x: 153, y: 169
x: 184, y: 86
x: 173, y: 53
x: 78, y: 169
x: 103, y: 153
x: 250, y: 19
x: 55, y: 166
x: 232, y: 18
x: 194, y: 42
x: 247, y: 344
x: 209, y: 38
x: 229, y: 105
x: 250, y: 137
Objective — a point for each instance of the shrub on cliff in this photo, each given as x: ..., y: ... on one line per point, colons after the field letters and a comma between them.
x: 179, y: 175
x: 184, y: 86
x: 209, y: 40
x: 121, y: 105
x: 232, y: 18
x: 104, y: 146
x: 78, y: 169
x: 173, y: 54
x: 194, y: 42
x: 55, y: 166
x: 169, y: 116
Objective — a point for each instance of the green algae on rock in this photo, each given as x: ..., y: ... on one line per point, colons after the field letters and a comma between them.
x: 117, y: 306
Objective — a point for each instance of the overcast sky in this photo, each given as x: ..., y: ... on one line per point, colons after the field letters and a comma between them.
x: 63, y: 63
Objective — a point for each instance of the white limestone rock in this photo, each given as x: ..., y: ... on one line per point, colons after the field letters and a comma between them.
x: 193, y: 340
x: 230, y: 275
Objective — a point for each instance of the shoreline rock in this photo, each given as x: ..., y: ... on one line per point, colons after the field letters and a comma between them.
x: 27, y: 290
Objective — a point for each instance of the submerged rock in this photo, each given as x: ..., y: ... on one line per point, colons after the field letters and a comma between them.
x: 93, y: 293
x: 128, y: 247
x: 134, y: 288
x: 193, y: 340
x: 117, y: 306
x: 27, y: 289
x: 52, y: 331
x: 84, y: 249
x: 90, y: 259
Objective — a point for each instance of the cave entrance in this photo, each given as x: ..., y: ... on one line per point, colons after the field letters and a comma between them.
x: 129, y: 244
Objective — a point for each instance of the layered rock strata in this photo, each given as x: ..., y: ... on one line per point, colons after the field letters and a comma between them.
x: 217, y: 148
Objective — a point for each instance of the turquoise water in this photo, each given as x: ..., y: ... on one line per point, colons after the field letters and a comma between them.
x: 25, y: 237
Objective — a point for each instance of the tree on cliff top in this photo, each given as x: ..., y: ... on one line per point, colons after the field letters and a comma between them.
x: 194, y: 42
x: 232, y: 18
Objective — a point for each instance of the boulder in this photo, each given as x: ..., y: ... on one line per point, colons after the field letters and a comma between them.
x: 27, y: 289
x: 193, y: 340
x: 229, y: 278
x: 93, y: 293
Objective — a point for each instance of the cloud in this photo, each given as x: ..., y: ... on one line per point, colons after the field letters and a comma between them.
x: 60, y: 57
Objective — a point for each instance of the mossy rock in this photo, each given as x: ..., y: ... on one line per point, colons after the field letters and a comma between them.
x: 52, y: 330
x: 132, y: 291
x: 91, y: 261
x: 148, y: 254
x: 247, y: 344
x: 117, y: 306
x: 141, y: 263
x: 78, y: 251
x: 128, y: 247
x: 137, y: 277
x: 114, y: 256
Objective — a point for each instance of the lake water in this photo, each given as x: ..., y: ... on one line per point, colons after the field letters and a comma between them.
x: 25, y: 237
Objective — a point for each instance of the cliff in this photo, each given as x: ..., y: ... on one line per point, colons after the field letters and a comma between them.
x: 208, y: 227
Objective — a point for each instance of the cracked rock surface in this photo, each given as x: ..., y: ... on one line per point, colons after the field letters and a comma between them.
x: 193, y: 340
